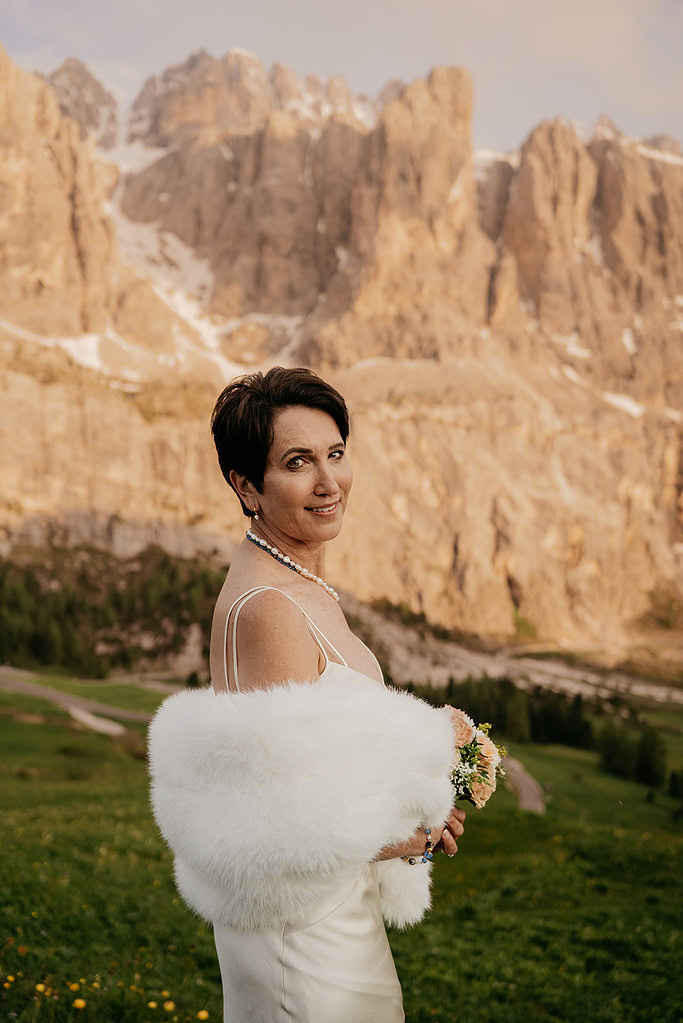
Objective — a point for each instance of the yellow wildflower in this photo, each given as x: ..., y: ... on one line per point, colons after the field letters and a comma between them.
x: 202, y: 1014
x: 169, y: 1006
x: 165, y: 993
x: 40, y: 987
x: 74, y: 986
x: 7, y: 984
x: 151, y: 1005
x: 10, y: 978
x: 78, y: 1003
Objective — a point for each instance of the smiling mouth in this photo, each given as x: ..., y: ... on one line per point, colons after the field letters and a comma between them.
x: 324, y: 509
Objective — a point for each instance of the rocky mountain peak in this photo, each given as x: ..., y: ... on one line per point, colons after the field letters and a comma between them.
x: 234, y: 95
x: 605, y: 128
x: 82, y: 97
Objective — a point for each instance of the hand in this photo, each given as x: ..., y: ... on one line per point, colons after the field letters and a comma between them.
x: 452, y: 830
x: 443, y: 838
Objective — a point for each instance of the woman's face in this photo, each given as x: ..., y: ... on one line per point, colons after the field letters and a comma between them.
x: 308, y: 476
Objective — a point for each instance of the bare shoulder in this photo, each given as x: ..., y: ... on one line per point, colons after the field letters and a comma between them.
x: 274, y: 642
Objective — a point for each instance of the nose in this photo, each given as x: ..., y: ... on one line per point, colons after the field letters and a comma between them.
x: 325, y: 482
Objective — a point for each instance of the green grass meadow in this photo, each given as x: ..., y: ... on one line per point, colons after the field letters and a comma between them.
x: 573, y: 916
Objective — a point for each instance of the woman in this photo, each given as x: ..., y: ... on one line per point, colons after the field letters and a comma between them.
x: 300, y: 795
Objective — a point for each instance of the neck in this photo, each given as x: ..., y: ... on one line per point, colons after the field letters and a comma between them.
x: 308, y: 555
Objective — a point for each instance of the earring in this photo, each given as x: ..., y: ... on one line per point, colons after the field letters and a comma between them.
x: 255, y: 514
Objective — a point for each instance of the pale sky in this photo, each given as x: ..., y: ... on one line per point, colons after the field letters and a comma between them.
x: 530, y: 59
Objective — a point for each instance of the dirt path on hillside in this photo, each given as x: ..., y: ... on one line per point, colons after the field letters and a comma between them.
x: 18, y: 681
x: 412, y: 654
x: 528, y: 791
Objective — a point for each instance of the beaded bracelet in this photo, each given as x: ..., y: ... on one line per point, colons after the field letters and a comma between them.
x: 427, y: 854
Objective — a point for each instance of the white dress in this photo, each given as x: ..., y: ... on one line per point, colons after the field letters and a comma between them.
x: 335, y: 966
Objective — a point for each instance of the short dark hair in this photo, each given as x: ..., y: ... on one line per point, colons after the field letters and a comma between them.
x: 242, y: 419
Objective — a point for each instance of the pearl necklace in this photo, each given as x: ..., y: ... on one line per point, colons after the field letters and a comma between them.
x: 290, y: 563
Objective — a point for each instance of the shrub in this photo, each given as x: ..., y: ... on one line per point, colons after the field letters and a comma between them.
x: 618, y: 751
x: 675, y: 787
x: 651, y: 757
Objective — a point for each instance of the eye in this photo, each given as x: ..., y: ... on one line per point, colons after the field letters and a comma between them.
x: 290, y: 463
x: 339, y: 452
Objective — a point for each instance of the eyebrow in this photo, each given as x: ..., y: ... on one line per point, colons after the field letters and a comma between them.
x: 308, y: 451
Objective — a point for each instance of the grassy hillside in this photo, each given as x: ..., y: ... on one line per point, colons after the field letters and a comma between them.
x: 574, y: 916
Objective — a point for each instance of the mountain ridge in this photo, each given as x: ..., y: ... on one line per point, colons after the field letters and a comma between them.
x: 506, y: 330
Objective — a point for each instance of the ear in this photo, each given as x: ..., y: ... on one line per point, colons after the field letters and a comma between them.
x: 244, y: 488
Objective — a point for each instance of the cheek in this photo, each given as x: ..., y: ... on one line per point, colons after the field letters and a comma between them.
x: 290, y: 489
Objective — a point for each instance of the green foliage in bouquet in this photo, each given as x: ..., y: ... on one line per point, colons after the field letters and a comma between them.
x: 477, y: 760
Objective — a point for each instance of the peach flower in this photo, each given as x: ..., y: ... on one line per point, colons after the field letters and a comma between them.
x: 463, y: 726
x: 487, y: 749
x: 483, y: 790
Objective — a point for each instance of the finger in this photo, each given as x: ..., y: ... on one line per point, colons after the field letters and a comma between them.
x: 450, y: 846
x: 455, y: 827
x: 435, y: 836
x: 460, y: 814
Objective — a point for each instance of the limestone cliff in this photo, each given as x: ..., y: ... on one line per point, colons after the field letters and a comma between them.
x: 487, y: 493
x: 61, y: 279
x: 507, y: 333
x: 57, y: 242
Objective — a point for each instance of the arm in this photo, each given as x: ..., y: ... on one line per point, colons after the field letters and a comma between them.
x: 274, y: 643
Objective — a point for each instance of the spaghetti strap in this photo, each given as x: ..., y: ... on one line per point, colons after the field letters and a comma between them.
x: 239, y: 603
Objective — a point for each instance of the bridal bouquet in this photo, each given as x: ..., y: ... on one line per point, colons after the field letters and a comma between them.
x: 477, y: 760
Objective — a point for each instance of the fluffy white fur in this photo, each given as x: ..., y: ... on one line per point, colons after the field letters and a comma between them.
x: 272, y: 799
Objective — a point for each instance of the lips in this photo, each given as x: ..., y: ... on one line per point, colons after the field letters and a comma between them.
x: 324, y: 509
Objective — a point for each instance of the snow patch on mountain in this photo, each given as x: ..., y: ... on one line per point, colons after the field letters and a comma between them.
x: 105, y: 352
x: 629, y: 341
x: 572, y: 346
x: 625, y: 403
x: 161, y: 257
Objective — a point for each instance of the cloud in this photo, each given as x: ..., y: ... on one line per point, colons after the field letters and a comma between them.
x: 528, y: 58
x: 629, y: 49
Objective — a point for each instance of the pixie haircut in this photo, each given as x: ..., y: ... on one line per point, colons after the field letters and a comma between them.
x: 242, y: 419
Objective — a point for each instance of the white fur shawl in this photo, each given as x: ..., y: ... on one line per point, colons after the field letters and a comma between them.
x: 272, y: 799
